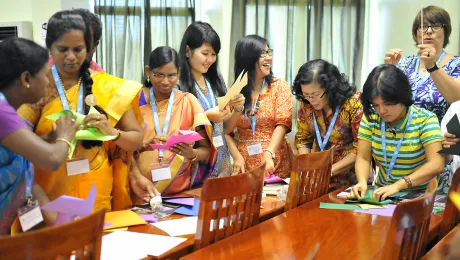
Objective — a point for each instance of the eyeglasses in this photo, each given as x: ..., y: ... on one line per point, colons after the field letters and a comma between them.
x: 161, y: 77
x: 264, y: 54
x: 315, y: 96
x: 434, y: 27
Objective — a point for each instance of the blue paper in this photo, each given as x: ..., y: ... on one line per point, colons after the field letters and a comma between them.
x: 189, y: 211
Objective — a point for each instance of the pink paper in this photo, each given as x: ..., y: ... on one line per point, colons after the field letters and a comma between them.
x: 149, y: 218
x: 181, y: 201
x: 70, y: 207
x: 187, y: 137
x: 387, y: 212
x: 273, y: 179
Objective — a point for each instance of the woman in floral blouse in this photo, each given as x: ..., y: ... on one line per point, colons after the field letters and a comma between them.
x: 329, y: 115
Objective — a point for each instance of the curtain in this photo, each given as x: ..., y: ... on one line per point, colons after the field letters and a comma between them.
x: 133, y: 28
x: 299, y: 31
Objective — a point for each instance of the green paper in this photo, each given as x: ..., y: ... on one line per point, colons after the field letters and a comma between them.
x: 369, y: 200
x: 91, y: 134
x: 323, y: 205
x: 399, y: 194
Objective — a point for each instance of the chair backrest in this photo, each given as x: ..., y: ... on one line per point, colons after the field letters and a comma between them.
x: 81, y: 238
x: 310, y: 178
x: 451, y: 215
x: 409, y: 226
x: 229, y: 205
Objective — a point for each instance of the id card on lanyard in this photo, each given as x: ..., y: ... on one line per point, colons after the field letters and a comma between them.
x: 389, y: 168
x: 322, y: 143
x: 255, y: 148
x: 156, y: 118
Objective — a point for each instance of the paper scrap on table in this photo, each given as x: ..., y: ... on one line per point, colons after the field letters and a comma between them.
x: 68, y: 208
x: 116, y: 229
x: 344, y: 194
x: 370, y: 206
x: 184, y: 201
x: 234, y: 90
x: 123, y: 218
x: 178, y: 227
x: 453, y: 127
x: 189, y: 211
x: 387, y: 212
x: 275, y: 179
x: 323, y: 205
x: 187, y: 137
x: 150, y: 218
x: 133, y: 245
x: 455, y: 198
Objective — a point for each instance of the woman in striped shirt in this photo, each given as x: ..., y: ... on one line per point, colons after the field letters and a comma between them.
x: 402, y: 138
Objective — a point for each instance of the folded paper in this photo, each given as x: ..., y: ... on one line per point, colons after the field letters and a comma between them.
x: 189, y: 211
x: 323, y: 205
x: 453, y: 127
x: 123, y: 218
x: 234, y: 90
x: 187, y: 137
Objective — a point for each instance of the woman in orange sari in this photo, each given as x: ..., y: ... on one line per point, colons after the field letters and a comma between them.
x: 167, y: 110
x: 74, y: 87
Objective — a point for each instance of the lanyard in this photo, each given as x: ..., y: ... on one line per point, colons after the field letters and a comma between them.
x: 156, y: 119
x: 29, y: 172
x: 417, y: 63
x: 254, y: 109
x: 205, y: 100
x: 322, y: 143
x: 62, y: 95
x: 398, y: 147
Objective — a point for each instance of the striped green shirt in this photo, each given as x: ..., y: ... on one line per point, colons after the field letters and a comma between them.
x: 423, y: 130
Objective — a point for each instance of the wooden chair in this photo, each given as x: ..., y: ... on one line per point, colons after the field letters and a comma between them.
x: 310, y: 178
x: 229, y: 205
x: 451, y: 215
x: 81, y: 238
x: 409, y: 226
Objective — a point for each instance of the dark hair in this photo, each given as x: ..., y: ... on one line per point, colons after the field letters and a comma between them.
x: 18, y: 55
x: 247, y: 54
x: 328, y: 76
x: 159, y: 57
x: 93, y: 21
x: 197, y: 34
x: 61, y: 23
x: 388, y: 82
x: 433, y: 14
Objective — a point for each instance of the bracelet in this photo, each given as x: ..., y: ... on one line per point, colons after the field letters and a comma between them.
x: 194, y: 158
x: 239, y: 111
x: 408, y: 181
x: 118, y: 135
x: 65, y: 141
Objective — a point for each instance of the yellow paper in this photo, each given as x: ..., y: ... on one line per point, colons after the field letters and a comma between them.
x: 116, y: 229
x: 369, y: 206
x: 122, y: 218
x: 233, y: 91
x: 455, y: 198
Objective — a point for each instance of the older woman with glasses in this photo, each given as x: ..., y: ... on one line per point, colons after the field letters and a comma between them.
x: 329, y: 115
x: 433, y: 73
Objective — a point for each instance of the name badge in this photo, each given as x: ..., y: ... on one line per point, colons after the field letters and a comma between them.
x: 161, y: 174
x: 255, y: 149
x: 79, y: 166
x: 30, y: 216
x: 218, y: 141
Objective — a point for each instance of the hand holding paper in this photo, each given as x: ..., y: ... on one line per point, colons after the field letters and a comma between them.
x: 453, y: 128
x: 187, y: 137
x: 236, y: 88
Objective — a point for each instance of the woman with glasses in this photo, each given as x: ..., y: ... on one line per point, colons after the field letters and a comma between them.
x: 267, y: 112
x: 166, y: 110
x: 329, y: 115
x: 433, y: 73
x: 199, y: 51
x: 407, y: 158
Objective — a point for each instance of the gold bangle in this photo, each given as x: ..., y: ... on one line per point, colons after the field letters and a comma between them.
x: 65, y: 141
x: 194, y: 158
x: 118, y: 136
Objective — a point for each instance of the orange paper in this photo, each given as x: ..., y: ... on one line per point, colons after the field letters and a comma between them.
x: 122, y: 218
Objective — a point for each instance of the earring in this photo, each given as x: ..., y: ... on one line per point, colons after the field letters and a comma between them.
x: 27, y: 86
x: 187, y: 57
x: 148, y: 79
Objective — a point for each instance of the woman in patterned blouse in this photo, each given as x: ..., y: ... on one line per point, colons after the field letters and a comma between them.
x: 329, y: 115
x: 433, y: 73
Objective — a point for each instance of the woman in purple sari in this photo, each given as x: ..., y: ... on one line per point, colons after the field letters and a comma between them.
x: 433, y: 73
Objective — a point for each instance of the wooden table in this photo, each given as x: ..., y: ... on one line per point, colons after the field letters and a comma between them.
x: 292, y: 235
x: 442, y: 247
x: 272, y: 206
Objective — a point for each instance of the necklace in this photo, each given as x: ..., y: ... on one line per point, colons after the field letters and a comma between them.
x: 70, y: 100
x: 204, y: 91
x: 161, y: 110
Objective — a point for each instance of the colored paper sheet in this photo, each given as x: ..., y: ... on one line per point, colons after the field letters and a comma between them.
x: 234, y: 90
x: 455, y: 198
x: 388, y: 211
x: 133, y: 245
x: 116, y: 229
x: 189, y: 201
x: 370, y: 206
x: 324, y: 205
x: 273, y: 179
x: 68, y: 208
x: 189, y: 211
x: 123, y: 218
x: 187, y: 137
x: 178, y: 227
x: 150, y: 218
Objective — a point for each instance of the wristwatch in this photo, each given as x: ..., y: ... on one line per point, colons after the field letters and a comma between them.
x: 434, y: 68
x: 271, y: 152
